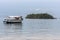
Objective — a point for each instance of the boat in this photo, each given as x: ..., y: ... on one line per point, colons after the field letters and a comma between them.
x: 13, y: 19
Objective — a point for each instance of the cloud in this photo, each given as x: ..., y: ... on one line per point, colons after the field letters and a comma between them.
x: 37, y: 9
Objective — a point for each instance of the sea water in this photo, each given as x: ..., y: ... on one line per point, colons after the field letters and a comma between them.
x: 31, y: 29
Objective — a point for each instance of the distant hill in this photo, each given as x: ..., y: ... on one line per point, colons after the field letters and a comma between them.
x: 40, y: 16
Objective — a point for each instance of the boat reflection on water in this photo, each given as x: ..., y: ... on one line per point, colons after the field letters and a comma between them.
x: 13, y: 28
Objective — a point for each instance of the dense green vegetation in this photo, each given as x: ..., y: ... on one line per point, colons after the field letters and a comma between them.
x: 40, y: 16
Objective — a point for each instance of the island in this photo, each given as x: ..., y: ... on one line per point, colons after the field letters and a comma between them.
x: 40, y: 16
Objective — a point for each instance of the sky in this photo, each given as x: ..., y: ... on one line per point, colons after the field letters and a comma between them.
x: 19, y: 6
x: 29, y: 0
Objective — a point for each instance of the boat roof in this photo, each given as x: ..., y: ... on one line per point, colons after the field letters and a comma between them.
x: 14, y: 16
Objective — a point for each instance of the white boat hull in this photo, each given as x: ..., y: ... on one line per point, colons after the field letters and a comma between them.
x: 13, y: 20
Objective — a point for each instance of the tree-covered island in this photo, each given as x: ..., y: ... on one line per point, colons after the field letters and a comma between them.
x: 40, y: 16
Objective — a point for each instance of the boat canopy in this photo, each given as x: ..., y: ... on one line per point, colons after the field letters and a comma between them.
x: 14, y: 16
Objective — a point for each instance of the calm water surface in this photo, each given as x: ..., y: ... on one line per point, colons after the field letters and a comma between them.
x: 31, y: 27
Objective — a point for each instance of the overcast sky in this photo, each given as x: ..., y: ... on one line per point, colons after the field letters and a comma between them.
x: 29, y: 0
x: 19, y: 5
